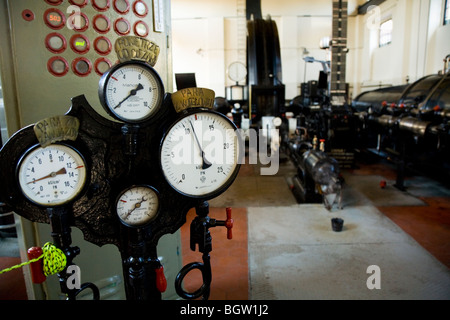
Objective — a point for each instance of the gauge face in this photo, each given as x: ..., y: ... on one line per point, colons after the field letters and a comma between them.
x: 277, y: 121
x: 53, y: 175
x: 131, y: 91
x: 137, y: 205
x: 199, y: 154
x: 237, y: 71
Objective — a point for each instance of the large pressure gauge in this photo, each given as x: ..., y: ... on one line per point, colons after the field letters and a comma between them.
x: 137, y: 205
x: 199, y: 154
x: 53, y: 175
x: 131, y: 91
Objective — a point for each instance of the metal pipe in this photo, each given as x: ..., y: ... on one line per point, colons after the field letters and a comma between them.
x: 414, y: 125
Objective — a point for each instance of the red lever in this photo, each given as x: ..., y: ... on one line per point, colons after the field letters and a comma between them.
x: 37, y: 267
x: 161, y: 282
x: 229, y: 224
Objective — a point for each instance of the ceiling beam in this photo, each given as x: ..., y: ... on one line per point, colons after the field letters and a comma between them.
x: 362, y: 9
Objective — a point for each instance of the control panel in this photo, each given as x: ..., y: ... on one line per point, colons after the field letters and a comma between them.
x: 68, y: 45
x: 53, y: 50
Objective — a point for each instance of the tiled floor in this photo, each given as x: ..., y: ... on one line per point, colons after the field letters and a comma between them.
x: 428, y: 224
x: 12, y: 284
x: 229, y: 258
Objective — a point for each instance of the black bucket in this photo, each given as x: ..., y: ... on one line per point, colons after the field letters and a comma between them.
x: 337, y: 224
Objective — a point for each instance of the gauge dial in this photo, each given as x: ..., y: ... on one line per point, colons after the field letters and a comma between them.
x: 53, y: 175
x: 199, y: 154
x: 137, y: 205
x: 131, y: 91
x: 237, y: 71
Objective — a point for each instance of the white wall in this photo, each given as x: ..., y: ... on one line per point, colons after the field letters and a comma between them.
x: 419, y: 44
x: 208, y: 35
x: 438, y: 37
x: 200, y: 33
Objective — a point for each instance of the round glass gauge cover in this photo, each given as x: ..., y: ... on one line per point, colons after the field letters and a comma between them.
x: 131, y: 91
x: 277, y: 121
x: 53, y: 175
x: 237, y: 71
x: 199, y: 154
x: 137, y: 205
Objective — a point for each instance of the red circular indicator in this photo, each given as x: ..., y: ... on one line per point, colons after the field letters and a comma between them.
x: 57, y: 66
x: 141, y: 28
x: 140, y: 9
x: 101, y: 5
x: 54, y: 2
x: 55, y: 42
x: 81, y: 66
x: 121, y: 6
x: 122, y: 26
x: 28, y: 15
x: 102, y: 65
x: 80, y: 3
x: 79, y: 43
x: 54, y: 18
x: 78, y: 21
x: 101, y: 23
x: 102, y: 45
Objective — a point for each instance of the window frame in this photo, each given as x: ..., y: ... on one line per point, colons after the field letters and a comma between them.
x: 446, y: 15
x: 388, y: 34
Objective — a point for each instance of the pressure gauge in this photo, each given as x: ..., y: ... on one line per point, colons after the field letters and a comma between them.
x: 137, y: 205
x: 131, y: 91
x: 53, y: 175
x: 277, y: 121
x: 237, y: 71
x: 199, y: 154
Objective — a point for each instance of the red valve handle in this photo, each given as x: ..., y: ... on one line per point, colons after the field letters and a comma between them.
x: 229, y: 224
x: 37, y: 267
x: 161, y: 282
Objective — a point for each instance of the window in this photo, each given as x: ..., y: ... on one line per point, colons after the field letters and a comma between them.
x: 447, y: 12
x: 386, y: 33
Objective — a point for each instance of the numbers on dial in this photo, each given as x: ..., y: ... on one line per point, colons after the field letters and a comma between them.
x: 52, y: 175
x: 137, y: 205
x: 199, y: 154
x: 132, y: 92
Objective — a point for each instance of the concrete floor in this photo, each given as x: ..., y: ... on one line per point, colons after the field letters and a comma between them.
x: 294, y: 254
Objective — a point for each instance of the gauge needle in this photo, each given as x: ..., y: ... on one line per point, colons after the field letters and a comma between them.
x: 51, y: 175
x: 206, y: 164
x: 132, y: 93
x: 136, y: 205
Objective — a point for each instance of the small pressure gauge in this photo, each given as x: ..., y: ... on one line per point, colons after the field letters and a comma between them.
x: 277, y: 121
x: 131, y: 91
x: 199, y: 154
x: 51, y: 176
x: 237, y: 71
x: 137, y: 205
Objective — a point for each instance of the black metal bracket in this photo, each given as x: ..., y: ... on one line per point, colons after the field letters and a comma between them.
x: 61, y: 234
x: 201, y: 236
